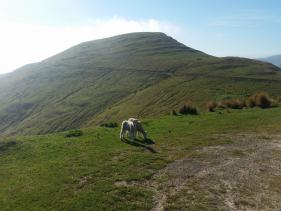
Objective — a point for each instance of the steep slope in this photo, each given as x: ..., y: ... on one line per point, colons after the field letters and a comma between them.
x: 140, y: 74
x: 276, y: 60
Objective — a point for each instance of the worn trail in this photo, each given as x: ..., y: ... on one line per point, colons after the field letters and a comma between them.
x: 244, y: 175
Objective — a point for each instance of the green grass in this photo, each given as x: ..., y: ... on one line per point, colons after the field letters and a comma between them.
x: 79, y: 173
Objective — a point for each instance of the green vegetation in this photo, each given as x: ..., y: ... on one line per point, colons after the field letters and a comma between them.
x: 54, y: 172
x: 74, y: 133
x: 188, y: 109
x: 138, y: 74
x: 109, y: 124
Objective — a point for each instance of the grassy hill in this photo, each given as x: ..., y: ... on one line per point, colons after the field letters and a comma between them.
x: 276, y: 60
x: 137, y: 74
x: 213, y: 152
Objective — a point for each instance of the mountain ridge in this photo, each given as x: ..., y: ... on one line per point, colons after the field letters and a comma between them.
x: 136, y: 74
x: 276, y: 60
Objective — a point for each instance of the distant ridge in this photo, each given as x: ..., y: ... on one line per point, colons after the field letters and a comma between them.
x: 138, y: 74
x: 276, y: 60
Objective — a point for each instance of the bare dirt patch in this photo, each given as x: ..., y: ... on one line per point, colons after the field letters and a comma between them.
x: 244, y: 175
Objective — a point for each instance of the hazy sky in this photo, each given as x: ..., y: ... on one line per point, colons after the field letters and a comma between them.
x: 32, y: 30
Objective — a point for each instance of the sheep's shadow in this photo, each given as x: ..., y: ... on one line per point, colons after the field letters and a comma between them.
x: 142, y: 143
x: 146, y: 141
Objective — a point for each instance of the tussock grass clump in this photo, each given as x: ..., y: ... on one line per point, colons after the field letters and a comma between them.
x: 251, y: 102
x: 233, y: 103
x: 188, y: 109
x: 211, y: 106
x: 279, y: 99
x: 109, y: 124
x: 262, y: 100
x: 74, y: 133
x: 221, y: 105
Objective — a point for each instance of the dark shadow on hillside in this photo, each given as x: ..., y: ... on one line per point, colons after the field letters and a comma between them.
x: 5, y: 146
x: 141, y: 143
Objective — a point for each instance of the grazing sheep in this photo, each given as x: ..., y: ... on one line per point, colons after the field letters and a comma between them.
x: 127, y: 128
x: 138, y: 127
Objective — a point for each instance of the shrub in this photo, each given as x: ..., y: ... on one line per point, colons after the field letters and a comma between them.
x: 211, y: 106
x: 188, y: 109
x: 109, y: 124
x: 74, y: 133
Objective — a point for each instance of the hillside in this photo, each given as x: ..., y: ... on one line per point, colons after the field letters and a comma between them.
x: 276, y: 60
x: 137, y: 74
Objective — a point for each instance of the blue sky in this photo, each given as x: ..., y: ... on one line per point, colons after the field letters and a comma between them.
x: 35, y: 29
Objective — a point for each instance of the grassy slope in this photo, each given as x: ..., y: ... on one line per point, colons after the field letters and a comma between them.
x: 230, y: 77
x: 95, y: 81
x: 53, y: 172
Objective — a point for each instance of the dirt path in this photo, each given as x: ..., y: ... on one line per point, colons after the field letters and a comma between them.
x: 244, y: 175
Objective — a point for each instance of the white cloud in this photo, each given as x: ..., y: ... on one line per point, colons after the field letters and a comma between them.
x: 23, y: 43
